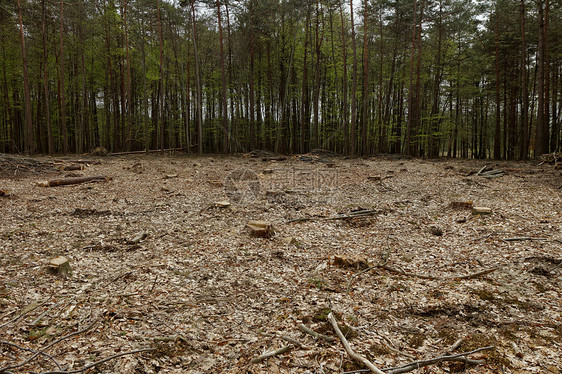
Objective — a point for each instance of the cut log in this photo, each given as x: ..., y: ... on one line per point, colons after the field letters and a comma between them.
x: 69, y: 181
x: 480, y: 210
x: 261, y: 229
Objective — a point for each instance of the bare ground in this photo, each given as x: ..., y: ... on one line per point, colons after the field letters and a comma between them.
x: 209, y: 297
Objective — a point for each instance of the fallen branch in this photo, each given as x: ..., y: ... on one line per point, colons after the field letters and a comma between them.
x: 522, y: 238
x: 356, y: 214
x: 348, y: 349
x: 397, y: 351
x: 32, y: 351
x: 461, y: 357
x: 490, y: 173
x: 474, y: 275
x: 309, y: 331
x: 97, y: 362
x: 26, y: 312
x: 69, y: 181
x: 149, y: 151
x: 293, y: 341
x: 267, y: 355
x: 6, y: 369
x: 421, y: 276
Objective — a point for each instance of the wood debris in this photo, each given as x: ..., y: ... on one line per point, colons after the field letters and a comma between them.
x: 486, y: 172
x: 480, y: 210
x: 59, y: 265
x: 208, y: 296
x: 261, y: 229
x: 71, y: 181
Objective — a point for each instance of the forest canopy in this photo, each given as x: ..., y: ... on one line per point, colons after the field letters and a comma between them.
x: 429, y: 78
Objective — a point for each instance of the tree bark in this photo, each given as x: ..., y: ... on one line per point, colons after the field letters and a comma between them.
x: 409, y: 128
x: 50, y: 143
x: 61, y: 87
x: 226, y: 145
x: 28, y: 139
x: 541, y: 141
x: 199, y: 98
x: 344, y: 110
x: 129, y: 104
x: 366, y: 95
x: 161, y: 96
x: 525, y: 107
x: 353, y: 139
x: 305, y: 116
x: 497, y: 133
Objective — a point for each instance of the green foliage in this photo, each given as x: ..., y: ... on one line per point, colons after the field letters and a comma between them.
x: 454, y: 91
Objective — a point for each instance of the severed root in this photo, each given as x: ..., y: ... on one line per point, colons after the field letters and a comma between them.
x: 349, y: 350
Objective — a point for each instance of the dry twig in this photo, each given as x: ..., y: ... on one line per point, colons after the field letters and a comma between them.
x: 309, y: 331
x: 348, y: 349
x: 270, y: 354
x: 461, y: 357
x: 355, y: 214
x: 97, y: 362
x: 421, y: 276
x: 6, y: 369
x: 32, y: 351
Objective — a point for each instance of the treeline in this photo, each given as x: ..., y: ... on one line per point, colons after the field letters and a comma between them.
x: 430, y: 78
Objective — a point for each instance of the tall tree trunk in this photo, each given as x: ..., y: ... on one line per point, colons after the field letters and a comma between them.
x: 366, y: 95
x: 497, y: 133
x: 84, y: 112
x: 199, y: 99
x: 28, y: 139
x: 555, y: 134
x: 50, y: 143
x: 252, y: 84
x: 541, y: 141
x: 411, y: 117
x: 525, y: 107
x: 61, y: 87
x: 344, y: 110
x: 161, y: 96
x: 236, y: 146
x: 416, y: 107
x: 146, y: 119
x: 546, y: 75
x: 304, y: 92
x: 318, y: 44
x: 224, y: 85
x: 129, y: 104
x: 435, y: 121
x: 353, y: 86
x: 381, y: 148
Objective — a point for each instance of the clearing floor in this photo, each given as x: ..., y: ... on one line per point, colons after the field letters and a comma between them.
x: 162, y: 259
